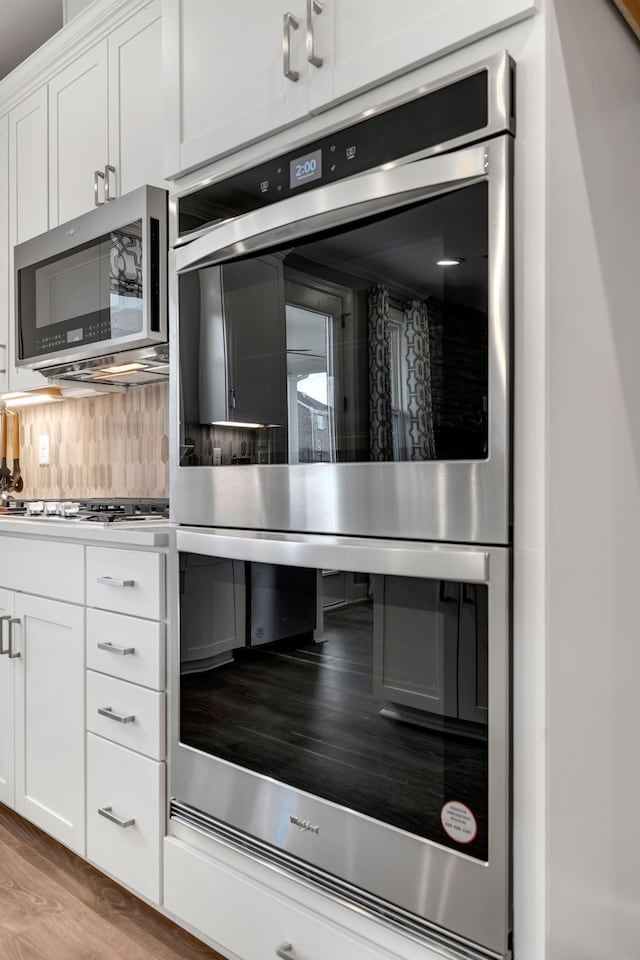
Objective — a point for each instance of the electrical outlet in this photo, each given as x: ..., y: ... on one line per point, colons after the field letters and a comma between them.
x: 43, y: 449
x: 217, y: 456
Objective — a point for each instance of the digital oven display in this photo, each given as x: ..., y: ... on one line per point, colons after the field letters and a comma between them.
x: 306, y: 168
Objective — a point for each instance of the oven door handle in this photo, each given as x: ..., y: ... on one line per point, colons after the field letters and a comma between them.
x: 339, y: 203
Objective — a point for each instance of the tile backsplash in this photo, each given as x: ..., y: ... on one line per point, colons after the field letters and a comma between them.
x: 115, y: 445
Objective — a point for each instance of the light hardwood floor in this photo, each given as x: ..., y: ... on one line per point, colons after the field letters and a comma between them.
x: 55, y: 906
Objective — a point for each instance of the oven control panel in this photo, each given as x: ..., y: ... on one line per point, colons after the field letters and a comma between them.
x: 379, y: 137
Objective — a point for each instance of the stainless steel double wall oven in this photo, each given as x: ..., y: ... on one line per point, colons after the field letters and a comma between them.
x: 340, y: 474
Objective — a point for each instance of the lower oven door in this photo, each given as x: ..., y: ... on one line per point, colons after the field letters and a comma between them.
x: 342, y: 706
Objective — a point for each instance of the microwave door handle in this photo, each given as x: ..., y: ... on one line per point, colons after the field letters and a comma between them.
x: 341, y: 202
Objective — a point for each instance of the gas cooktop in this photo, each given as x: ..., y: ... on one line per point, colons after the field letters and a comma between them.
x: 116, y: 510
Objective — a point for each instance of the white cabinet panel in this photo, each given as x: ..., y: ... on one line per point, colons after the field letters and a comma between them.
x: 206, y: 895
x: 4, y: 253
x: 78, y: 137
x: 126, y: 581
x: 130, y: 788
x: 130, y: 715
x: 28, y: 202
x: 7, y: 728
x: 375, y: 39
x: 50, y: 717
x: 126, y: 647
x: 136, y: 116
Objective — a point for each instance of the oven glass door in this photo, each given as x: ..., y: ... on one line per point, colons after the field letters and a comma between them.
x: 335, y: 699
x: 372, y: 333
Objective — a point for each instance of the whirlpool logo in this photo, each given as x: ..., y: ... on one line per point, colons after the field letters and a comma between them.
x: 305, y: 825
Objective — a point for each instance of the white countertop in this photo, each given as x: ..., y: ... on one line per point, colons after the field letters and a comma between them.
x: 143, y: 533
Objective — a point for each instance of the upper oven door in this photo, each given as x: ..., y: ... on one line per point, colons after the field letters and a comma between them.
x: 95, y: 285
x: 342, y: 360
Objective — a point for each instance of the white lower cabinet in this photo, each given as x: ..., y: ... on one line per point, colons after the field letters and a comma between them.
x: 125, y: 815
x: 7, y: 676
x: 244, y: 919
x: 48, y: 638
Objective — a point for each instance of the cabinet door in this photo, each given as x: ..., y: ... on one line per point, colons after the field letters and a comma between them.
x: 4, y: 253
x: 7, y: 731
x: 50, y: 717
x: 28, y: 203
x: 415, y: 644
x: 375, y: 39
x: 136, y: 118
x: 78, y: 124
x: 224, y: 77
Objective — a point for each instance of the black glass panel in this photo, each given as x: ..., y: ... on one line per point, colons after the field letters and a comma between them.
x: 364, y: 343
x: 365, y: 690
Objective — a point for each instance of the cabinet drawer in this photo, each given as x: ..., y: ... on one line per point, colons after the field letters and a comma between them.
x: 127, y: 581
x: 127, y: 648
x: 205, y: 894
x: 44, y: 567
x: 135, y: 717
x: 133, y: 787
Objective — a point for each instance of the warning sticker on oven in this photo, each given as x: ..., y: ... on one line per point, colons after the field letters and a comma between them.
x: 458, y: 822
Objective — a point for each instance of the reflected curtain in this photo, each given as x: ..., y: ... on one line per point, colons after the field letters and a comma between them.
x: 380, y: 422
x: 420, y: 434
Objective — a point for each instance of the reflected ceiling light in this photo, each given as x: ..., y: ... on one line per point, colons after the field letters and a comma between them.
x: 450, y: 261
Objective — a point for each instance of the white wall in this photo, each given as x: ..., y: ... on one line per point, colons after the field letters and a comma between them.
x: 593, y: 484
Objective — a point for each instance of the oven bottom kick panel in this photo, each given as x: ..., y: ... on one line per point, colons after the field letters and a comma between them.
x: 210, y: 867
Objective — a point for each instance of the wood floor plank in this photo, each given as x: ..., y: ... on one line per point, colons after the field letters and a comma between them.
x: 27, y: 894
x: 41, y: 881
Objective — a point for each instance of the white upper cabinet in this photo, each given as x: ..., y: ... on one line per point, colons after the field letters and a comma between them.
x: 79, y: 133
x: 374, y: 40
x: 224, y: 77
x: 28, y: 203
x: 235, y: 72
x: 105, y: 118
x: 136, y: 116
x: 4, y: 253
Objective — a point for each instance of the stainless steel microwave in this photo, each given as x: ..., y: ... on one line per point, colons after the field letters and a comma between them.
x: 91, y: 294
x: 342, y: 361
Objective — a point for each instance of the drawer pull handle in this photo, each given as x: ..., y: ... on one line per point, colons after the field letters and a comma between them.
x: 107, y: 813
x: 118, y: 717
x: 114, y: 582
x: 114, y: 648
x: 285, y: 951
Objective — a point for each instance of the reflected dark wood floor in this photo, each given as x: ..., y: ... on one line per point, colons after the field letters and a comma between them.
x: 55, y: 906
x: 305, y: 714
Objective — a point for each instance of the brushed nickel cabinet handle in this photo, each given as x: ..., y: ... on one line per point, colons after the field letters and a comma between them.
x: 114, y: 582
x: 108, y: 193
x: 107, y: 813
x: 285, y: 950
x: 114, y: 648
x: 313, y: 7
x: 3, y: 652
x: 98, y: 175
x: 289, y: 21
x: 12, y: 654
x: 118, y: 717
x: 3, y: 346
